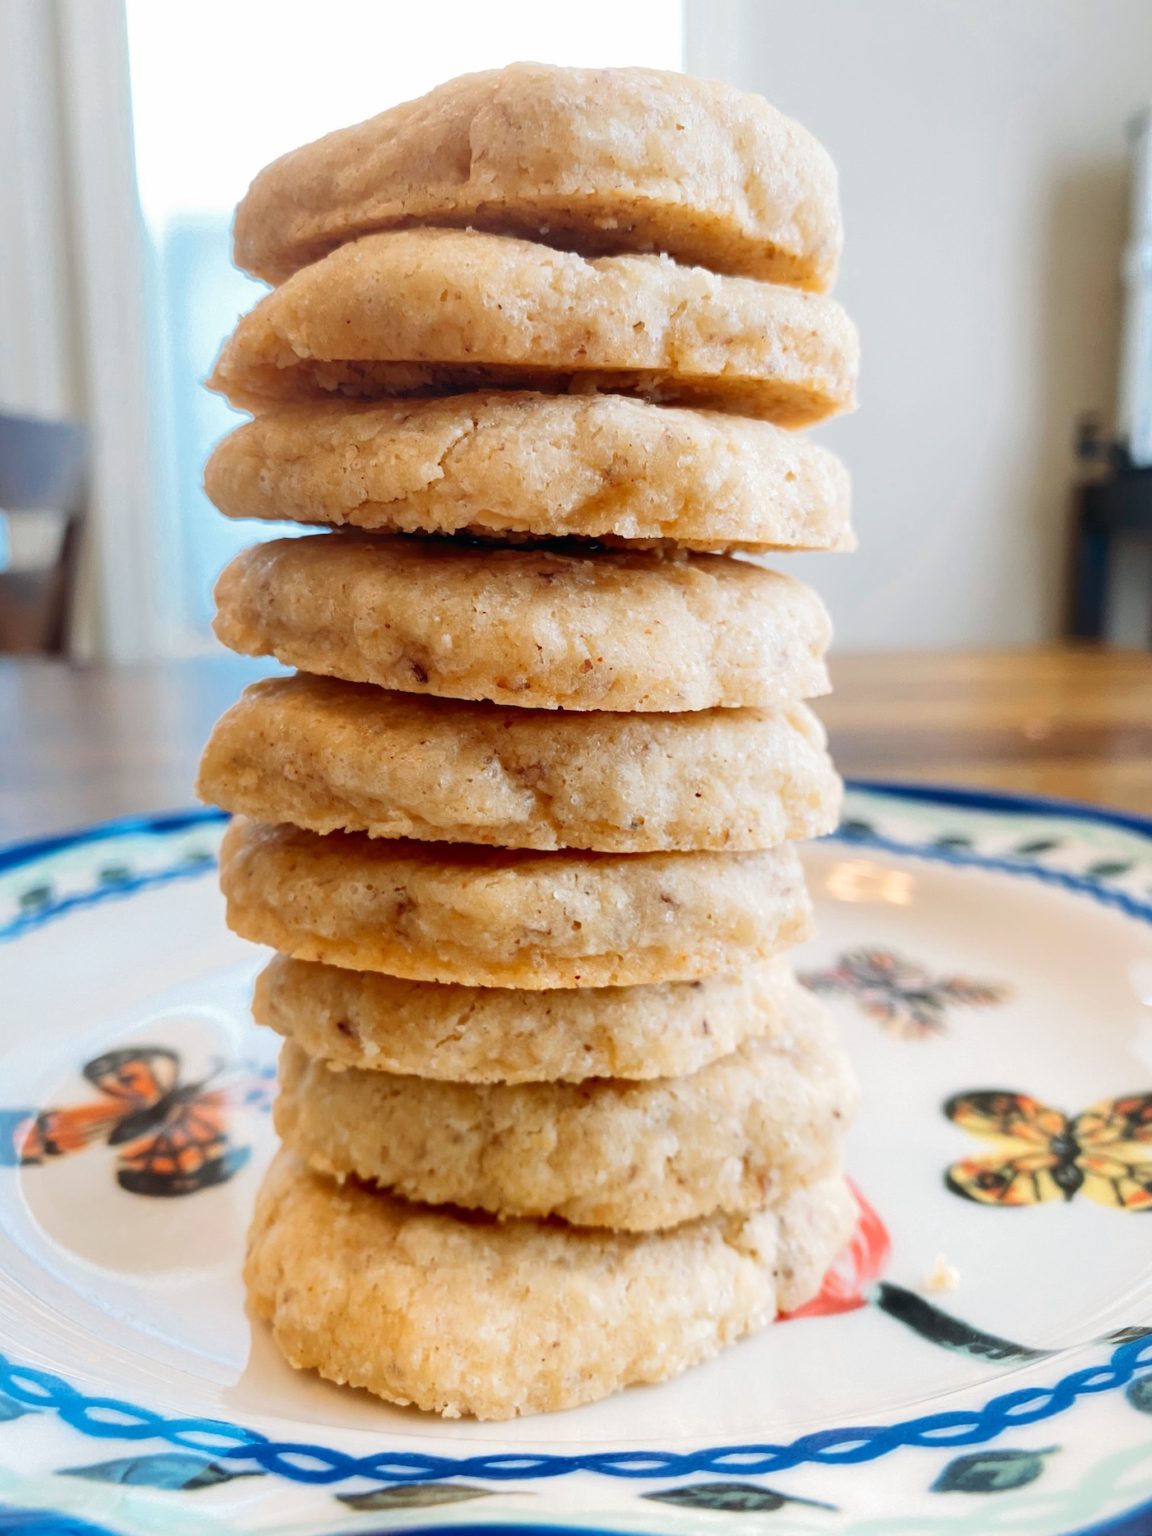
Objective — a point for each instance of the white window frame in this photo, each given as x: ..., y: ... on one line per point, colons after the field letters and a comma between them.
x: 72, y: 268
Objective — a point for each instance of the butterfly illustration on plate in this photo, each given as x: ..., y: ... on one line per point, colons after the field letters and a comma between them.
x: 1104, y: 1153
x: 171, y: 1137
x: 902, y: 995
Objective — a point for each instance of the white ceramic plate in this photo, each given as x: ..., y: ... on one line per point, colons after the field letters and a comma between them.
x: 990, y: 961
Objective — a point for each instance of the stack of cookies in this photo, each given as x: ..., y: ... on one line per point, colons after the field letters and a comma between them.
x: 556, y: 1115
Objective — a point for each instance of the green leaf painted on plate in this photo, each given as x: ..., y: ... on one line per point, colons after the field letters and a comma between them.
x: 957, y: 840
x: 115, y: 874
x: 1038, y: 845
x: 413, y: 1496
x: 196, y: 857
x: 1139, y: 1394
x: 1126, y: 1335
x: 12, y: 1410
x: 34, y: 897
x: 1109, y: 869
x: 734, y: 1498
x: 856, y: 828
x: 939, y: 1327
x: 167, y: 1469
x: 992, y: 1471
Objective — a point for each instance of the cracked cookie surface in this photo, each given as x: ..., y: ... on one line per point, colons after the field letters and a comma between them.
x: 615, y: 630
x: 437, y: 311
x: 593, y: 159
x: 493, y: 1034
x: 498, y: 918
x: 333, y: 756
x: 739, y: 1134
x: 463, y: 1314
x: 518, y: 465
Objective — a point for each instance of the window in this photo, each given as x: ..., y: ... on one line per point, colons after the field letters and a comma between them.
x: 218, y: 90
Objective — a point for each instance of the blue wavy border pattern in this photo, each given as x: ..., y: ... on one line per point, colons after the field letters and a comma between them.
x: 114, y: 1418
x: 25, y: 854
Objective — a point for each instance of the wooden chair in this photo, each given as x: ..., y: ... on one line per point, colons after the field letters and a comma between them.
x: 43, y: 468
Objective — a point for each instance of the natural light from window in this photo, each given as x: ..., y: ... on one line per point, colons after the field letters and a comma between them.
x: 220, y: 90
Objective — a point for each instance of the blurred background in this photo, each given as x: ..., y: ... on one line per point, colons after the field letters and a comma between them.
x: 994, y: 170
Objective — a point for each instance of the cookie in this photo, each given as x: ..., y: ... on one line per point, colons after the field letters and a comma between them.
x: 739, y: 1134
x: 333, y: 756
x: 519, y: 465
x: 437, y: 311
x: 603, y: 160
x: 490, y: 1034
x: 617, y: 630
x: 469, y: 1315
x: 493, y: 918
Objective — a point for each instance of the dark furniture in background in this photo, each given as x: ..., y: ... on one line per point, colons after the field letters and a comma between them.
x: 1109, y: 511
x: 1112, y: 508
x: 43, y: 468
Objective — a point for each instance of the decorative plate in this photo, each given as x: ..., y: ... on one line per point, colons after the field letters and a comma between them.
x: 980, y: 1357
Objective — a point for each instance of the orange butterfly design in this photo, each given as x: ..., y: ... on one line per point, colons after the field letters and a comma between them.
x: 171, y: 1137
x: 1042, y: 1154
x: 902, y: 995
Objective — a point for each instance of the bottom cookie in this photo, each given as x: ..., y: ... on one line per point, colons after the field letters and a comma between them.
x: 463, y: 1314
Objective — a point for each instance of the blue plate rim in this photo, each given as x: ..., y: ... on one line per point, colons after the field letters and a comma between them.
x: 20, y: 851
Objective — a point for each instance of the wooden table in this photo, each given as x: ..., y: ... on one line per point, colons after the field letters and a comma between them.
x: 80, y: 744
x: 1071, y: 722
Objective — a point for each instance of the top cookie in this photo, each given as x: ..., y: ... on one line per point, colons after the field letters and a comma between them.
x: 436, y: 311
x: 596, y: 160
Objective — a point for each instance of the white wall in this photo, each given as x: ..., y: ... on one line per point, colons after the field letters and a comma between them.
x: 982, y: 163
